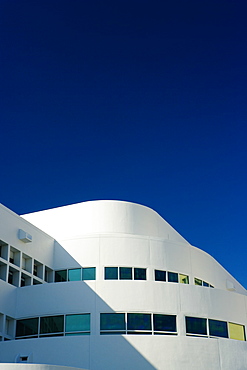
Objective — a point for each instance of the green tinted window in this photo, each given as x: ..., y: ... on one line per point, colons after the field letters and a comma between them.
x: 88, y: 273
x: 74, y: 275
x: 112, y: 321
x: 165, y: 323
x: 218, y: 328
x: 160, y: 275
x: 27, y: 327
x: 51, y: 324
x: 139, y: 274
x: 60, y: 276
x: 196, y: 325
x: 111, y: 273
x: 172, y: 277
x: 139, y: 321
x: 198, y: 281
x: 125, y: 273
x: 79, y: 322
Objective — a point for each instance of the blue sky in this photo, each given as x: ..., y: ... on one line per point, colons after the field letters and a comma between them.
x: 143, y: 101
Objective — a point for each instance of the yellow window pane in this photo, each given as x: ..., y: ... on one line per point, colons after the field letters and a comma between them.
x: 198, y: 281
x: 184, y: 279
x: 236, y: 331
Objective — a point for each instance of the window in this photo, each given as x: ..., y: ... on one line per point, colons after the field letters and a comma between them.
x: 196, y: 325
x: 88, y: 273
x: 52, y: 324
x: 165, y: 323
x: 111, y: 273
x: 236, y: 331
x: 160, y: 275
x: 27, y: 327
x: 198, y: 281
x: 183, y: 279
x: 172, y: 277
x: 218, y: 328
x: 112, y: 323
x: 78, y: 324
x: 204, y: 283
x: 125, y: 273
x: 138, y: 321
x: 74, y: 275
x: 60, y: 276
x: 139, y: 274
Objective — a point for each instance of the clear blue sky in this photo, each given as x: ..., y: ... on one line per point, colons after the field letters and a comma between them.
x: 144, y: 101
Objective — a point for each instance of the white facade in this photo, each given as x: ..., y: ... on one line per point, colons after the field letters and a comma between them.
x: 111, y: 285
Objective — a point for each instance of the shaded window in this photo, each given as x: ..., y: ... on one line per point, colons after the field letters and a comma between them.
x: 204, y: 283
x: 60, y: 276
x: 27, y: 327
x: 172, y: 277
x: 218, y: 328
x: 74, y: 275
x: 125, y: 273
x: 88, y: 273
x: 160, y: 275
x: 111, y: 273
x: 139, y: 321
x: 196, y: 325
x: 113, y: 322
x: 51, y: 324
x: 139, y: 274
x: 77, y: 323
x: 183, y: 279
x: 198, y: 281
x: 236, y: 331
x: 164, y: 323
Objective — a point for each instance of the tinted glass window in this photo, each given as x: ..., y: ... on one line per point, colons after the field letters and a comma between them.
x: 79, y: 322
x: 60, y: 276
x: 198, y: 281
x: 218, y: 328
x: 160, y: 275
x: 173, y: 277
x: 138, y: 321
x: 88, y: 273
x: 27, y: 327
x: 205, y: 283
x: 196, y: 325
x: 139, y: 274
x: 74, y: 275
x: 111, y: 273
x: 51, y: 324
x: 165, y: 323
x: 112, y: 321
x: 183, y: 279
x: 125, y: 273
x: 236, y: 331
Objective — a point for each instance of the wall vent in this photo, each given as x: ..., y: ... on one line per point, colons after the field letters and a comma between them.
x: 24, y: 237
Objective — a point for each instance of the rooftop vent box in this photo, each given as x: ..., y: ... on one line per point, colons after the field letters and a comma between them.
x: 24, y: 237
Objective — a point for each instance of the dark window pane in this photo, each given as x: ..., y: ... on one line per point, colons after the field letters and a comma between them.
x: 160, y: 275
x: 74, y: 275
x: 112, y: 321
x: 205, y: 283
x: 51, y: 324
x: 139, y: 321
x: 125, y: 273
x: 88, y: 273
x: 196, y: 325
x: 218, y: 328
x: 139, y: 274
x: 111, y: 273
x: 60, y: 276
x: 165, y: 323
x: 27, y: 327
x: 80, y: 322
x: 172, y: 277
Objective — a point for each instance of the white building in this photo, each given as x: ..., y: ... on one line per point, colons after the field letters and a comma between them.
x: 110, y: 285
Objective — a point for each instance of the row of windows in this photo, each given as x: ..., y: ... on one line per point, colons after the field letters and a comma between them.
x: 126, y: 323
x: 86, y: 273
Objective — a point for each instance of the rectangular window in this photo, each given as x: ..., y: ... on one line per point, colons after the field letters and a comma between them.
x: 196, y: 325
x: 111, y: 273
x: 172, y: 277
x: 138, y: 321
x: 218, y: 328
x: 88, y: 273
x: 77, y: 323
x: 139, y: 274
x: 60, y: 276
x: 166, y: 323
x: 198, y: 281
x: 183, y: 279
x: 125, y: 273
x: 27, y: 327
x: 160, y: 275
x: 112, y: 323
x: 74, y: 275
x: 52, y: 324
x: 204, y: 283
x: 236, y: 331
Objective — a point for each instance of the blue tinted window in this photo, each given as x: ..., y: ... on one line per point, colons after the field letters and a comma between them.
x: 80, y: 322
x: 204, y: 283
x: 218, y: 328
x: 139, y: 274
x: 172, y: 277
x: 139, y: 321
x: 112, y: 321
x: 60, y: 276
x: 125, y: 273
x: 74, y: 275
x: 160, y: 275
x: 111, y: 273
x: 165, y: 323
x: 88, y: 273
x: 196, y: 325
